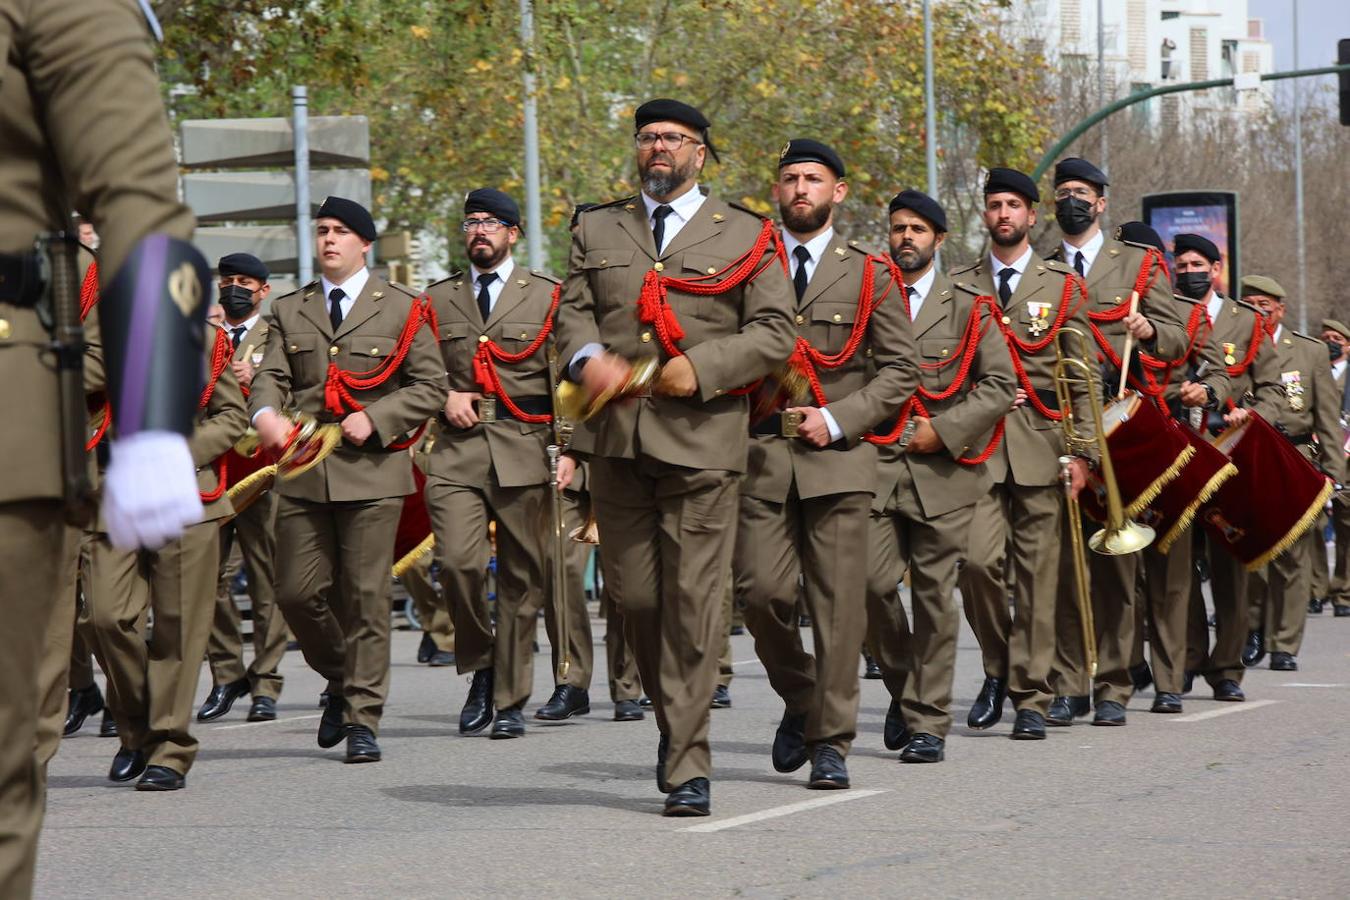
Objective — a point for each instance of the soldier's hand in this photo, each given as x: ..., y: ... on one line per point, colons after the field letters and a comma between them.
x: 677, y: 378
x: 243, y: 370
x: 1193, y: 394
x: 273, y: 432
x: 567, y: 470
x: 459, y: 408
x: 813, y: 429
x: 357, y: 428
x: 925, y: 438
x: 1140, y: 327
x: 1020, y: 399
x: 604, y: 373
x: 1236, y: 416
x: 1078, y: 473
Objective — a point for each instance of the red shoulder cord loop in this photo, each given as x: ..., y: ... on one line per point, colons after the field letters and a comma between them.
x: 1017, y: 346
x: 338, y: 387
x: 1152, y: 367
x: 806, y: 358
x: 490, y: 353
x: 220, y: 358
x: 88, y: 298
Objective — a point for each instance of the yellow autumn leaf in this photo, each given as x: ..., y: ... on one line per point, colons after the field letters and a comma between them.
x: 421, y: 32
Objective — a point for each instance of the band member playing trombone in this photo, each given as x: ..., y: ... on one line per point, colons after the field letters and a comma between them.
x: 676, y: 276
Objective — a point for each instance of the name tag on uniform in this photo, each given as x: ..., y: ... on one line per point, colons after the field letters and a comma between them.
x: 487, y: 409
x: 791, y: 422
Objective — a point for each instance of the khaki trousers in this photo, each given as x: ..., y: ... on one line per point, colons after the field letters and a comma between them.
x: 54, y: 675
x: 255, y: 532
x: 822, y: 541
x: 624, y: 683
x: 1340, y: 575
x: 333, y: 590
x: 1279, y: 596
x: 1320, y: 584
x: 1111, y: 589
x: 1167, y: 597
x: 580, y: 647
x: 432, y: 609
x: 918, y: 664
x: 1023, y: 523
x: 1228, y: 582
x: 155, y: 681
x: 668, y: 533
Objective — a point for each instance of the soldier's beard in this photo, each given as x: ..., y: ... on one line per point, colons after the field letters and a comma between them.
x: 1012, y: 238
x: 487, y: 257
x: 805, y: 221
x: 663, y: 183
x: 911, y: 259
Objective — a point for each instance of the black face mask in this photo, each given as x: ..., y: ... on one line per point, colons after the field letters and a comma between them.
x: 1074, y: 215
x: 1334, y: 349
x: 237, y: 301
x: 1193, y: 284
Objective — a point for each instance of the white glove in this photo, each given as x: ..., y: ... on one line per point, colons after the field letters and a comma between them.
x: 150, y: 490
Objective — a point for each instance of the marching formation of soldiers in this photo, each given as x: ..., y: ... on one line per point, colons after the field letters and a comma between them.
x: 747, y: 411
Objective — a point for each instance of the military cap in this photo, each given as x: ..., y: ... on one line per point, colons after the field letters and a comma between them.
x: 245, y: 264
x: 666, y: 110
x: 1197, y: 243
x: 1001, y: 180
x: 799, y: 150
x: 1261, y: 284
x: 581, y: 208
x: 1074, y: 168
x: 494, y: 203
x: 349, y: 213
x: 1339, y: 327
x: 921, y: 203
x: 1140, y: 233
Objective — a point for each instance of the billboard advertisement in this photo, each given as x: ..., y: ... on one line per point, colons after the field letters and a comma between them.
x: 1211, y: 214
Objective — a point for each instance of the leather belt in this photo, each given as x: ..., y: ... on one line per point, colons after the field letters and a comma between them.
x: 1299, y: 439
x: 494, y: 409
x: 20, y: 278
x: 1049, y: 399
x: 779, y: 424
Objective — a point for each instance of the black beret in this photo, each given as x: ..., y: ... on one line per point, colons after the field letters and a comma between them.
x: 924, y: 205
x: 669, y: 111
x: 349, y: 213
x: 1075, y: 169
x: 1001, y: 180
x: 242, y: 264
x: 1202, y: 245
x: 493, y: 202
x: 799, y: 150
x: 1140, y: 233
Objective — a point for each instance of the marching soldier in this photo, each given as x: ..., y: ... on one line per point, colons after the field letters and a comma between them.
x: 1337, y: 336
x: 1309, y: 417
x: 349, y: 348
x: 929, y: 482
x: 681, y: 277
x: 243, y: 288
x: 437, y: 647
x: 809, y: 483
x: 1036, y: 298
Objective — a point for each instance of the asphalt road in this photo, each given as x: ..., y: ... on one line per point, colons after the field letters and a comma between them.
x: 1226, y: 800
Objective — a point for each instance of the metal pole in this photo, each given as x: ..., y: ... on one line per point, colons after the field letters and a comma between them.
x: 534, y: 227
x: 1301, y: 247
x: 1101, y: 75
x: 304, y: 240
x: 929, y: 113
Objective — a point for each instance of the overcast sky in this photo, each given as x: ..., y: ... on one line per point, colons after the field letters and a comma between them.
x: 1320, y: 23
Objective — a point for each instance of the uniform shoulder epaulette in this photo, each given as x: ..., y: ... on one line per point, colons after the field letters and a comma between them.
x: 454, y: 276
x: 1056, y: 255
x: 1136, y: 245
x: 544, y: 276
x: 612, y: 204
x: 1059, y: 265
x: 1185, y: 300
x: 745, y: 209
x: 1307, y: 337
x: 857, y: 247
x: 1245, y: 305
x: 962, y: 270
x: 403, y: 289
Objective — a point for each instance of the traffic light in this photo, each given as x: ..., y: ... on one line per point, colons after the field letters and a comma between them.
x: 1342, y: 59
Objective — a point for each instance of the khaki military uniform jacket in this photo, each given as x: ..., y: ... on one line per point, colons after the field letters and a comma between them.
x: 1309, y: 403
x: 300, y: 345
x: 1259, y: 386
x: 731, y: 339
x: 513, y: 450
x: 1032, y: 443
x: 965, y: 421
x: 253, y: 344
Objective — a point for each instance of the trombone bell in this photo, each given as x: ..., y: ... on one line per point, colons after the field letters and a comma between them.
x: 1131, y: 537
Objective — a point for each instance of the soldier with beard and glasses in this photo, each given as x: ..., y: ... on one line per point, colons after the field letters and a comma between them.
x: 929, y: 481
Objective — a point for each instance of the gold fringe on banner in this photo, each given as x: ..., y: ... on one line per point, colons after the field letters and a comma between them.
x: 1188, y: 514
x: 412, y: 557
x: 1304, y: 523
x: 1140, y: 503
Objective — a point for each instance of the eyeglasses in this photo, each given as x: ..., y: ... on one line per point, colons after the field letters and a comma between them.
x: 1079, y: 192
x: 646, y: 140
x: 486, y: 226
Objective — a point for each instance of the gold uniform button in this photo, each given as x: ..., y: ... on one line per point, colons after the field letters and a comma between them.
x: 523, y: 336
x: 944, y: 351
x: 1007, y: 321
x: 482, y: 339
x: 660, y: 267
x: 646, y: 337
x: 838, y: 318
x: 712, y: 270
x: 604, y: 262
x: 5, y: 330
x: 801, y: 320
x: 374, y: 351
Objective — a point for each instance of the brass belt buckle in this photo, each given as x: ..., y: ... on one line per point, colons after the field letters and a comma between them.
x: 790, y: 422
x: 487, y: 409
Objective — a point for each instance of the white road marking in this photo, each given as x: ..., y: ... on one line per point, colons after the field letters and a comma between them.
x: 775, y: 812
x: 270, y: 722
x: 747, y: 662
x: 1312, y: 684
x: 1227, y: 710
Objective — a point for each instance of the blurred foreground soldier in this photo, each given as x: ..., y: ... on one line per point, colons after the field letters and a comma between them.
x: 1023, y: 512
x: 675, y: 276
x: 71, y: 70
x: 1336, y: 334
x: 1308, y: 415
x: 929, y: 481
x: 354, y: 349
x: 243, y: 288
x: 808, y: 485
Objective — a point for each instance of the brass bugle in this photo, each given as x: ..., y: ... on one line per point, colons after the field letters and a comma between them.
x: 559, y: 552
x: 571, y: 402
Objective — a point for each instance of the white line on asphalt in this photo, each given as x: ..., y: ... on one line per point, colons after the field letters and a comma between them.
x: 1312, y: 684
x: 746, y: 662
x: 1227, y: 710
x: 777, y: 811
x: 268, y: 722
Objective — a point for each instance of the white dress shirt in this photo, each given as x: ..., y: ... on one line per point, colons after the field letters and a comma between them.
x: 351, y: 288
x: 1089, y: 251
x: 918, y: 292
x: 1019, y: 266
x: 495, y: 289
x: 682, y: 208
x: 816, y: 247
x: 1337, y: 369
x: 1214, y: 306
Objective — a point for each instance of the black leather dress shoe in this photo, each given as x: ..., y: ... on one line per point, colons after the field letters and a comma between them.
x: 1254, y: 650
x: 1165, y: 702
x: 1315, y: 605
x: 737, y: 630
x: 628, y: 711
x: 693, y: 798
x: 83, y: 704
x: 871, y: 671
x: 894, y: 734
x: 1283, y: 662
x: 721, y: 698
x: 789, y: 743
x: 924, y: 748
x: 263, y: 709
x: 1109, y: 712
x: 221, y: 698
x: 425, y: 648
x: 645, y: 702
x: 477, y: 712
x: 161, y: 778
x: 441, y: 658
x: 662, y: 748
x: 1340, y: 612
x: 331, y: 728
x: 1188, y: 680
x: 126, y: 765
x: 1028, y: 726
x: 107, y: 727
x: 323, y: 698
x: 1065, y: 709
x: 1229, y: 691
x: 828, y: 771
x: 510, y: 723
x: 567, y: 701
x: 987, y: 709
x: 361, y: 745
x: 1141, y: 676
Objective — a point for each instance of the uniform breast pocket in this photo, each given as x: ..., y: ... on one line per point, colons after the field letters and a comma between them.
x: 303, y: 358
x: 367, y: 351
x: 1110, y: 296
x: 831, y: 324
x: 701, y: 265
x: 611, y: 276
x: 456, y: 351
x: 935, y: 353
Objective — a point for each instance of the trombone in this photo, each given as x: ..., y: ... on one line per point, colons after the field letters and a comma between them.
x: 1075, y: 368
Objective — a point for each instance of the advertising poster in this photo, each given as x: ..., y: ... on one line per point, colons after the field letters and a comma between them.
x: 1211, y: 214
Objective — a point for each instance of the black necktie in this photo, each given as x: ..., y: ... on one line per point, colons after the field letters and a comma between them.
x: 1004, y: 284
x: 799, y: 277
x: 484, y: 298
x: 335, y: 308
x: 910, y: 291
x: 236, y: 335
x: 659, y: 224
x: 1078, y: 264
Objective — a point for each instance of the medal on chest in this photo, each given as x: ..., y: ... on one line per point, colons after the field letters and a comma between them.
x: 1038, y: 318
x: 1229, y: 350
x: 1293, y: 389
